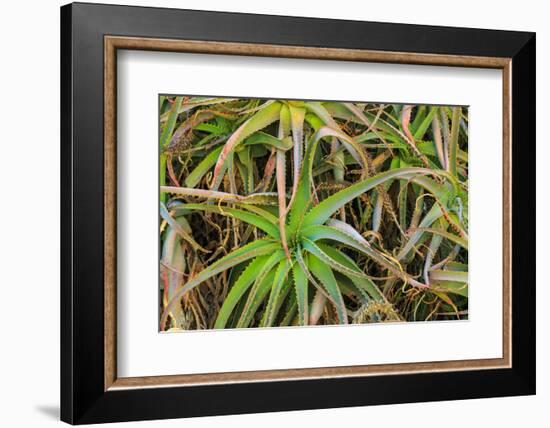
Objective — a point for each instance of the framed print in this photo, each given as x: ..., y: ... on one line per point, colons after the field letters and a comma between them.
x: 265, y: 213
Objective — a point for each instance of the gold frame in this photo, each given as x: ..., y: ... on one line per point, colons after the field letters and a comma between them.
x: 113, y: 43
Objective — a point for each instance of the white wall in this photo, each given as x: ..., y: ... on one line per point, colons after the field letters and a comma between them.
x: 29, y: 213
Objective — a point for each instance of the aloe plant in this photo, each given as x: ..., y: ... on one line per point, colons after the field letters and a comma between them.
x: 309, y: 240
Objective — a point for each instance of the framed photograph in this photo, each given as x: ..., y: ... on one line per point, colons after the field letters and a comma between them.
x: 266, y: 213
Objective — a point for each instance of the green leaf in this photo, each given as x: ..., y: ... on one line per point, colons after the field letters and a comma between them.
x: 317, y: 232
x: 435, y: 243
x: 281, y: 193
x: 337, y: 109
x: 262, y: 118
x: 340, y: 232
x: 425, y: 124
x: 432, y: 215
x: 300, y: 286
x: 240, y: 255
x: 324, y: 274
x: 428, y: 148
x: 438, y: 142
x: 453, y: 149
x: 461, y: 267
x: 165, y: 138
x: 314, y: 121
x: 246, y: 168
x: 419, y: 116
x: 362, y: 283
x: 402, y: 203
x: 321, y: 112
x: 291, y: 306
x: 269, y: 140
x: 203, y: 167
x: 349, y: 143
x: 460, y: 288
x: 276, y: 289
x: 311, y: 247
x: 329, y: 206
x: 299, y: 258
x: 247, y: 217
x: 259, y: 289
x: 170, y: 123
x: 245, y: 280
x: 262, y: 212
x: 463, y: 242
x: 297, y: 115
x: 303, y: 193
x: 449, y: 275
x: 196, y: 102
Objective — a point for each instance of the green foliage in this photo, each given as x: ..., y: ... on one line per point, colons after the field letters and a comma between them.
x: 298, y: 213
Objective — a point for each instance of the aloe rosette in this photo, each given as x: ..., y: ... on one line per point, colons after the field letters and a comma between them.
x: 306, y: 260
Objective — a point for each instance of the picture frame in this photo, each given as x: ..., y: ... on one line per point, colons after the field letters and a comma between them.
x: 91, y: 390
